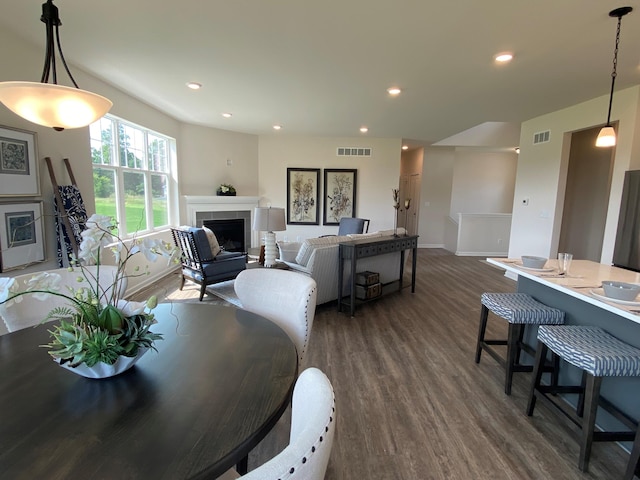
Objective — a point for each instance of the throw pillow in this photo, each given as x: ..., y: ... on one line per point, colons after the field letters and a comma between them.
x: 213, y: 241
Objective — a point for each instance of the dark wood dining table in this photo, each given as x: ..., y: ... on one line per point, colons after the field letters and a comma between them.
x: 220, y: 380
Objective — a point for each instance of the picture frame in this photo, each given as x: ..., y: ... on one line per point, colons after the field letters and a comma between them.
x: 21, y: 235
x: 339, y: 194
x: 303, y: 196
x: 18, y: 163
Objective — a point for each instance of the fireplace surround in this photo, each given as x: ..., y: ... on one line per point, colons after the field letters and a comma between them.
x: 212, y: 207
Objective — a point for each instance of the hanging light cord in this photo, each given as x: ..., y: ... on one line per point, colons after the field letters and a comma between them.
x: 52, y: 21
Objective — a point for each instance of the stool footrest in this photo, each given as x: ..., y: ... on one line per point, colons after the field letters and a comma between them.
x: 495, y: 342
x: 613, y: 436
x: 560, y: 389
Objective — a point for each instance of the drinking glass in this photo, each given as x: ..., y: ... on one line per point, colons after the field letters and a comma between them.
x: 564, y: 262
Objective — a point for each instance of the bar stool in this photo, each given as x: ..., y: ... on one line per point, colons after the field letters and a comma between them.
x: 598, y: 354
x: 519, y: 309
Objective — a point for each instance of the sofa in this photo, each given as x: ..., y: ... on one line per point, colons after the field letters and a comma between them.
x: 318, y: 259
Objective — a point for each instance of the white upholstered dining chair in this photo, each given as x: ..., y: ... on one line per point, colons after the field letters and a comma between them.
x: 313, y: 425
x: 284, y: 297
x: 33, y: 309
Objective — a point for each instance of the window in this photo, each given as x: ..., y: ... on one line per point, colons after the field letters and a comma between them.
x: 131, y: 174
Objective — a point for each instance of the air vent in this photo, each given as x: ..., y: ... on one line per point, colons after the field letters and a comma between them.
x: 541, y: 137
x: 354, y: 152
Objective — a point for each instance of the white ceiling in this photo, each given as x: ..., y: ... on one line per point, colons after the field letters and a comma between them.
x: 322, y: 68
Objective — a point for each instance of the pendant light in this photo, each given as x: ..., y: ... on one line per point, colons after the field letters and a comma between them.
x: 607, y: 135
x: 50, y: 104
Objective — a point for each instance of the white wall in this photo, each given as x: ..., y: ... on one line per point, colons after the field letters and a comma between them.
x: 483, y: 182
x: 204, y: 153
x: 541, y: 173
x: 377, y: 175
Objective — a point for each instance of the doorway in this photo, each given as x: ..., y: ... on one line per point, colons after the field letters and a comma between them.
x: 586, y: 196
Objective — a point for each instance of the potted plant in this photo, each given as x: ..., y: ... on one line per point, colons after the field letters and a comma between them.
x: 226, y: 190
x: 98, y: 333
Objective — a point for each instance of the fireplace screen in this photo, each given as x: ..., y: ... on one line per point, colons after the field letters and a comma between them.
x: 229, y: 232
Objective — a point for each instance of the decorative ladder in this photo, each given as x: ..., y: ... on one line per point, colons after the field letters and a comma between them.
x: 70, y: 214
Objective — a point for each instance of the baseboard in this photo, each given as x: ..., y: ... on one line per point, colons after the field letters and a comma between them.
x: 431, y: 245
x: 482, y: 254
x: 151, y: 279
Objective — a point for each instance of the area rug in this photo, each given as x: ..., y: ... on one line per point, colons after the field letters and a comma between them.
x: 218, y: 294
x: 225, y: 291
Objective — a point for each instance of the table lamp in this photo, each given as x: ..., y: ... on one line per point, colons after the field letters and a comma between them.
x: 267, y: 219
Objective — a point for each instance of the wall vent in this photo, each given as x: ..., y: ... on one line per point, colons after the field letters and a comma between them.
x: 354, y: 152
x: 541, y: 137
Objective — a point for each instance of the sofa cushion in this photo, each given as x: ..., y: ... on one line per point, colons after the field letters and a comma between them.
x: 213, y: 241
x: 304, y: 254
x: 288, y: 250
x: 361, y: 236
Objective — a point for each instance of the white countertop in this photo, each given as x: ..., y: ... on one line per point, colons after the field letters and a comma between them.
x: 584, y: 276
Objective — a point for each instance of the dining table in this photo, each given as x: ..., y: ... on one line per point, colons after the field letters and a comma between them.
x: 220, y: 379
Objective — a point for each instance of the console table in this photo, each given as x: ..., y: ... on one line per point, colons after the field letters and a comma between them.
x: 356, y: 249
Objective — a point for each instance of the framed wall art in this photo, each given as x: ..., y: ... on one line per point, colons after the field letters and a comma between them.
x: 18, y: 163
x: 303, y: 196
x: 339, y: 195
x: 21, y: 238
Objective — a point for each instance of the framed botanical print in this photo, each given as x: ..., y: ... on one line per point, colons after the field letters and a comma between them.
x: 21, y: 237
x: 303, y: 196
x: 339, y: 195
x: 18, y: 163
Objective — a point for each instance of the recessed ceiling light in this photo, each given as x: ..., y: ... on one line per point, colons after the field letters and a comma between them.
x: 226, y: 115
x: 405, y: 147
x: 364, y: 129
x: 394, y: 91
x: 194, y: 85
x: 503, y: 57
x: 277, y: 127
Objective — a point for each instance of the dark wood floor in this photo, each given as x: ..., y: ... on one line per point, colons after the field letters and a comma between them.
x: 411, y: 402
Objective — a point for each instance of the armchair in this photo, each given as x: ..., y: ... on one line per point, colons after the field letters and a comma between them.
x: 199, y: 264
x: 353, y: 225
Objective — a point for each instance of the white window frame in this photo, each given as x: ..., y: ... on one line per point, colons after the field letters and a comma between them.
x: 115, y: 166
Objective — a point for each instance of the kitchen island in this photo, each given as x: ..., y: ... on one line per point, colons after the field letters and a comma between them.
x: 578, y: 294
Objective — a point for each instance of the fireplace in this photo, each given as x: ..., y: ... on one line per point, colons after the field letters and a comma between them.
x: 230, y: 233
x: 212, y: 207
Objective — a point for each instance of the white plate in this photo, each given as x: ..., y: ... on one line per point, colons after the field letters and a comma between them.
x: 544, y: 269
x: 599, y: 293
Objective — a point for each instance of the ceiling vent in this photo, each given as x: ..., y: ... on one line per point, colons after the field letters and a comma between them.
x: 354, y: 152
x: 541, y: 137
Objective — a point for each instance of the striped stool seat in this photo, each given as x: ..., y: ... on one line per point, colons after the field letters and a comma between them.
x: 592, y: 350
x: 598, y: 354
x: 520, y: 310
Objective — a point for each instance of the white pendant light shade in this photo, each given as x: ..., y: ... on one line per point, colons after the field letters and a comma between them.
x: 606, y: 137
x: 53, y: 105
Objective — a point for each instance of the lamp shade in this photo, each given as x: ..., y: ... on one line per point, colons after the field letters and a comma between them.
x: 267, y: 219
x: 606, y: 137
x: 53, y: 105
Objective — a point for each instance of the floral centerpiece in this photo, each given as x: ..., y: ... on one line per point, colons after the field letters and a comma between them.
x: 98, y: 333
x: 226, y: 190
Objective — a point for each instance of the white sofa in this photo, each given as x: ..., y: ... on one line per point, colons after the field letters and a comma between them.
x: 318, y: 258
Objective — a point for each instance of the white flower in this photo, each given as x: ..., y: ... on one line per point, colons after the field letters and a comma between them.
x: 8, y: 287
x: 224, y: 188
x: 44, y: 281
x: 129, y: 309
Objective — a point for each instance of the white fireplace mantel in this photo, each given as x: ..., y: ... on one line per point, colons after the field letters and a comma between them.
x: 215, y: 203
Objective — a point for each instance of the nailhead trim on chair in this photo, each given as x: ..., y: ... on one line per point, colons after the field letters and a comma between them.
x: 522, y: 309
x: 592, y: 349
x: 306, y: 316
x: 313, y: 447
